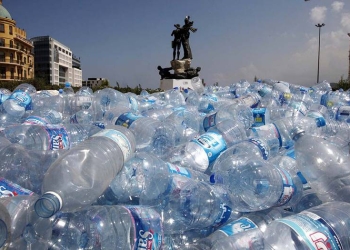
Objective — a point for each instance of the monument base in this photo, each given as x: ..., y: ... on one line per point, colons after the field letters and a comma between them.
x: 166, y: 84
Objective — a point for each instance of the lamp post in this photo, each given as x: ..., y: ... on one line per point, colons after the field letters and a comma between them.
x: 319, y: 26
x: 349, y: 63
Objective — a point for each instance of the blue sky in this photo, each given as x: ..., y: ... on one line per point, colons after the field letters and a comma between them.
x: 126, y: 40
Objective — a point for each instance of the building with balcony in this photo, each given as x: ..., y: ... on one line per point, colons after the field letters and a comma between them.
x: 55, y: 62
x: 16, y: 52
x: 94, y: 82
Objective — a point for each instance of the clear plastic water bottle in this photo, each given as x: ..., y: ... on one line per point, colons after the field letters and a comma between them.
x: 87, y: 169
x: 151, y: 135
x: 197, y: 85
x: 147, y: 177
x: 24, y: 167
x: 27, y: 230
x: 256, y: 185
x: 320, y: 164
x: 322, y: 227
x: 250, y: 221
x: 108, y: 227
x: 19, y: 101
x: 49, y: 137
x: 43, y: 117
x: 182, y: 209
x: 201, y: 152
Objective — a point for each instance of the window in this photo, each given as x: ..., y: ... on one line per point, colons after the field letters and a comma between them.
x: 3, y: 72
x: 2, y: 28
x: 11, y: 58
x: 25, y: 73
x: 12, y: 73
x: 2, y: 56
x: 2, y: 42
x: 11, y: 44
x: 25, y: 60
x: 10, y: 30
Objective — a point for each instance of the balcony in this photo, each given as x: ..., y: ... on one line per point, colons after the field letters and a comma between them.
x: 8, y: 46
x: 10, y: 61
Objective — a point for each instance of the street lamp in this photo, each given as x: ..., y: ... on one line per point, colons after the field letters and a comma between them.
x: 319, y: 26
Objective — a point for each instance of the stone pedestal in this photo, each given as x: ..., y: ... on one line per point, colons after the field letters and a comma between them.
x: 179, y: 66
x: 166, y: 84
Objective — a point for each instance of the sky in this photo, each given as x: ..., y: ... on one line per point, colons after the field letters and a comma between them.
x: 125, y: 40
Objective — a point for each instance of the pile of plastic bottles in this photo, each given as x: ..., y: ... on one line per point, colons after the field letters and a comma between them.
x: 262, y: 165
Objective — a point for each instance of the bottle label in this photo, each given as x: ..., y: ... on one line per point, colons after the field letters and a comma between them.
x: 325, y: 101
x: 241, y: 225
x: 224, y: 215
x: 120, y: 139
x: 22, y: 98
x: 259, y: 115
x: 126, y: 119
x: 315, y: 231
x: 148, y: 228
x: 288, y: 187
x: 343, y: 112
x: 58, y: 138
x: 35, y: 120
x: 9, y: 189
x: 84, y: 101
x: 262, y: 147
x: 178, y: 170
x: 212, y: 143
x: 270, y: 133
x: 209, y: 121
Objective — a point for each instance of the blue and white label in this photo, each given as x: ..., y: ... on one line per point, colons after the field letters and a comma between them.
x: 262, y: 147
x: 22, y: 98
x: 9, y: 189
x: 209, y: 121
x: 212, y: 143
x: 58, y: 138
x: 120, y: 139
x: 314, y: 230
x: 260, y: 116
x: 224, y: 215
x: 148, y: 228
x: 343, y: 113
x: 288, y: 187
x: 241, y: 225
x: 270, y: 133
x: 264, y: 91
x: 126, y: 119
x: 299, y: 106
x: 178, y: 170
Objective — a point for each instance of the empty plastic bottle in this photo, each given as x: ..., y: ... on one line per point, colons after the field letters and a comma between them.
x: 4, y: 94
x: 49, y: 137
x: 19, y: 101
x: 148, y: 177
x: 108, y: 227
x: 27, y: 230
x: 201, y: 152
x: 322, y: 227
x: 24, y: 167
x: 256, y: 185
x: 250, y: 221
x: 87, y: 170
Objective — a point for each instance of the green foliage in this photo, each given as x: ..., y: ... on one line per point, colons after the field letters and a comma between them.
x: 343, y: 84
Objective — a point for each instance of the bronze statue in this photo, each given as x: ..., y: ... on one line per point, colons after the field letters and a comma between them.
x: 185, y: 30
x: 176, y: 43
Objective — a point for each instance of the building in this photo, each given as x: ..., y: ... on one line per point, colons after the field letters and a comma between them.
x: 55, y: 62
x: 94, y: 82
x: 16, y: 52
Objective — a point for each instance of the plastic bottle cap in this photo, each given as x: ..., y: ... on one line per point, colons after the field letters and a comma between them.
x: 67, y: 84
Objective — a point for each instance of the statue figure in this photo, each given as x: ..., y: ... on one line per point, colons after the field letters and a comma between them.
x: 176, y: 43
x: 164, y: 73
x: 185, y: 30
